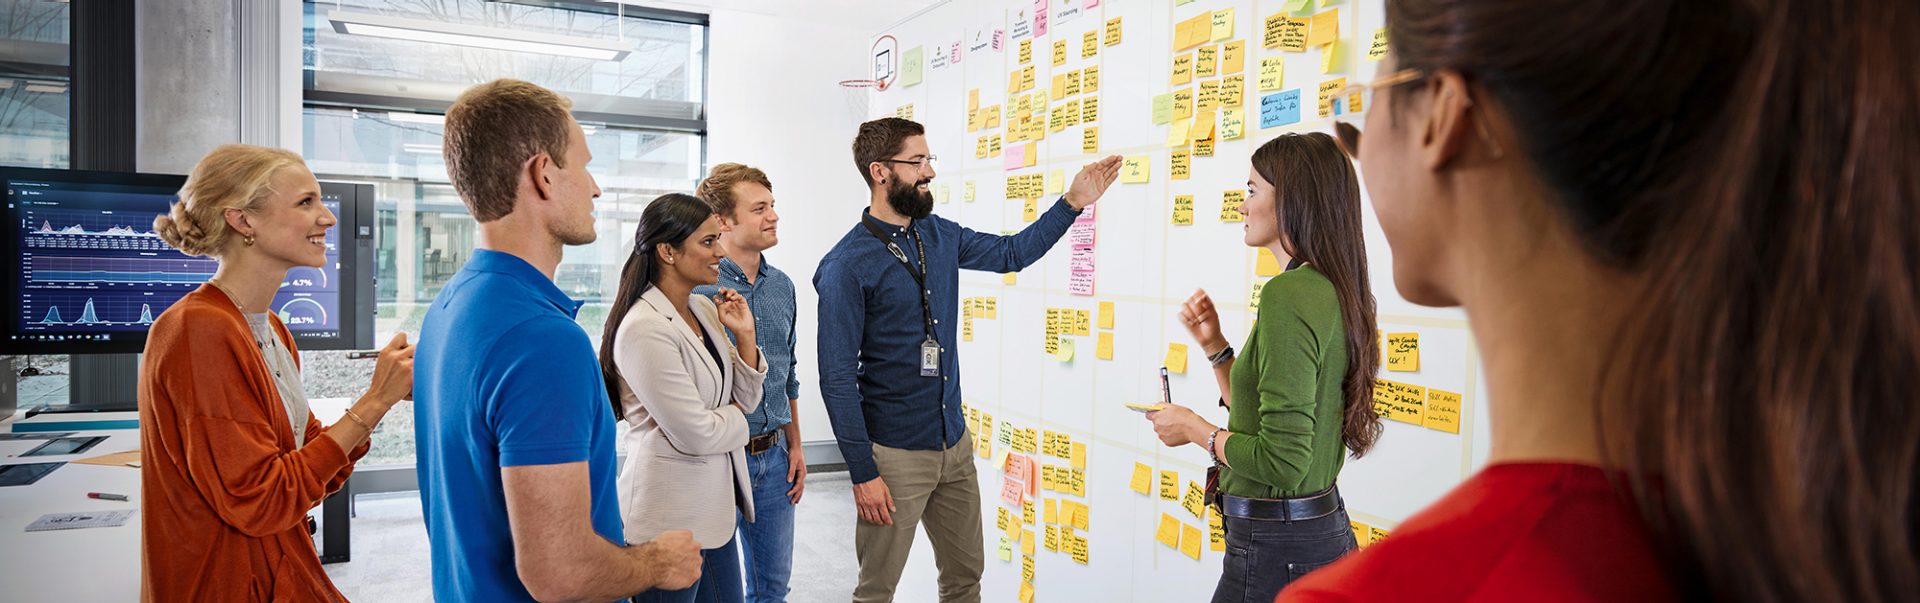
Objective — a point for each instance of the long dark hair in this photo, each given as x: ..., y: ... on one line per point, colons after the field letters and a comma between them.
x: 1752, y: 163
x: 1317, y: 202
x: 669, y: 219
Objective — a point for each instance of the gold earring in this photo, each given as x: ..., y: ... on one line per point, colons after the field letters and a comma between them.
x: 249, y: 240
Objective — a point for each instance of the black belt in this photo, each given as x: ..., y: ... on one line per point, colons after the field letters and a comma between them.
x: 763, y: 442
x: 1312, y: 506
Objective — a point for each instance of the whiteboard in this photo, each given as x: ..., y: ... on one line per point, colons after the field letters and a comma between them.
x: 1145, y: 267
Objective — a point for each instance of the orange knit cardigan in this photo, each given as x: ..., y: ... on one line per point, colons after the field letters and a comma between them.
x: 224, y: 492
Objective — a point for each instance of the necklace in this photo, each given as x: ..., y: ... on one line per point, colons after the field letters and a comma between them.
x: 262, y: 344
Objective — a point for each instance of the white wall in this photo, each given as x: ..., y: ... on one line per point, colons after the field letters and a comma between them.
x: 774, y: 103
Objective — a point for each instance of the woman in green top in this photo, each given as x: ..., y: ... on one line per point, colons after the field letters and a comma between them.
x: 1301, y: 393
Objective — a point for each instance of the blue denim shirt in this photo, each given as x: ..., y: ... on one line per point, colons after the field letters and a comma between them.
x: 871, y: 330
x: 770, y: 296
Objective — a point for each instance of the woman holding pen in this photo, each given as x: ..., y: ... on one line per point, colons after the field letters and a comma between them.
x: 232, y: 460
x: 1300, y: 392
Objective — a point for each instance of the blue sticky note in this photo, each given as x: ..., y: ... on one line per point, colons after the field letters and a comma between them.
x: 1280, y: 109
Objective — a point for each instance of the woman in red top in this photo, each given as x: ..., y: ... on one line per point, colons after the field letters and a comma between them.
x: 1686, y: 235
x: 232, y: 460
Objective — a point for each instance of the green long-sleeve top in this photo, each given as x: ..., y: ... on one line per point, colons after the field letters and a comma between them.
x: 1286, y: 402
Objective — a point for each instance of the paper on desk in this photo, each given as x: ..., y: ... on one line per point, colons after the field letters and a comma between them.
x: 130, y: 458
x: 75, y: 521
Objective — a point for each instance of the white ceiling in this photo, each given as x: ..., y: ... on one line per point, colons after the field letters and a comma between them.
x: 866, y: 15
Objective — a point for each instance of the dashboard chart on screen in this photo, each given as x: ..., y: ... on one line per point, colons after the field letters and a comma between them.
x: 87, y: 273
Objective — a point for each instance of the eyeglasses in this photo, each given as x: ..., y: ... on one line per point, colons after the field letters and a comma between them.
x: 1349, y: 135
x: 930, y: 162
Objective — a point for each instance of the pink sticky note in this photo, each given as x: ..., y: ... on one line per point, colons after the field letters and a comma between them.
x: 1015, y: 156
x: 1012, y: 491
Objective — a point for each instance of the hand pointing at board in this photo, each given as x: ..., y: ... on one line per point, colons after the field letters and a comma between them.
x: 1092, y: 182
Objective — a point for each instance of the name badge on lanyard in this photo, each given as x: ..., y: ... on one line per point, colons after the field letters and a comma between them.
x: 930, y: 358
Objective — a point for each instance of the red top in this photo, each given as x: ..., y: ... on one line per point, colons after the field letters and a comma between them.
x: 1513, y: 532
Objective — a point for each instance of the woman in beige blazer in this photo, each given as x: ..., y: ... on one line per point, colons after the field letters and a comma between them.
x: 684, y: 390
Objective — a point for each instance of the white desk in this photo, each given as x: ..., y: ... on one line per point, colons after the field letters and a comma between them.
x: 95, y: 564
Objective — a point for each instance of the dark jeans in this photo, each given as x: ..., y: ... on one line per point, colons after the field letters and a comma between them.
x: 1264, y: 556
x: 719, y: 580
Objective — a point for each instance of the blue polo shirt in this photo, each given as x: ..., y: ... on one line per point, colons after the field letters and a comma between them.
x: 502, y: 377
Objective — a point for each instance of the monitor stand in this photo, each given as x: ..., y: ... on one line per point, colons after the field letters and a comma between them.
x: 102, y: 382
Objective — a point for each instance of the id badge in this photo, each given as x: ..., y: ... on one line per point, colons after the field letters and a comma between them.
x: 930, y: 358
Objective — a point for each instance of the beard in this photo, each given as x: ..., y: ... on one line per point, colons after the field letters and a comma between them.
x: 910, y: 201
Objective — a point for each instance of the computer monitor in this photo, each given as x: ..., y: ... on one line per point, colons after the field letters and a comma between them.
x: 88, y: 274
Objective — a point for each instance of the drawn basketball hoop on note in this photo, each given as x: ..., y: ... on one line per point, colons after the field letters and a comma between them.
x: 886, y: 68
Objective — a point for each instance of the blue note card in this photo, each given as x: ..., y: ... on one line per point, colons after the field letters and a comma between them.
x: 1280, y: 109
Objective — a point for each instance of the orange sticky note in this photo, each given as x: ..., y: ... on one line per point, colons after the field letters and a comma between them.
x: 1325, y: 28
x: 1233, y: 57
x: 1182, y: 69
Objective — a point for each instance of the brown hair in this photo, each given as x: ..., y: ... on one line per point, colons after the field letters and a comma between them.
x: 232, y: 176
x: 880, y: 139
x: 717, y: 189
x: 1750, y: 162
x: 1317, y: 203
x: 491, y: 131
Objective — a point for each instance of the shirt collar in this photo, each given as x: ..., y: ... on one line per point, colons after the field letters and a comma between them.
x: 512, y: 266
x: 867, y: 214
x: 732, y: 270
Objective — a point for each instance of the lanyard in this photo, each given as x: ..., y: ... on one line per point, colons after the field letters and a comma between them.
x: 919, y: 276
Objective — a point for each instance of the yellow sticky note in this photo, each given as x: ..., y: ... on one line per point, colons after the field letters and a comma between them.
x: 1113, y: 31
x: 1169, y: 532
x: 1203, y: 147
x: 1052, y: 511
x: 1359, y: 532
x: 1222, y: 24
x: 1055, y: 180
x: 1205, y: 61
x: 1253, y: 300
x: 1182, y: 104
x: 1181, y: 163
x: 1209, y: 96
x: 1195, y: 499
x: 1400, y: 401
x: 1294, y: 34
x: 1325, y: 28
x: 1079, y: 458
x: 1403, y: 352
x: 1328, y: 90
x: 1265, y: 264
x: 1090, y: 80
x: 1270, y: 35
x: 1090, y: 139
x: 1026, y: 592
x: 1089, y: 109
x: 1443, y: 411
x: 1033, y: 154
x: 1106, y: 315
x: 1331, y: 60
x: 1272, y: 69
x: 1026, y: 546
x: 1029, y: 210
x: 1169, y: 484
x: 1006, y: 549
x: 1177, y: 133
x: 1216, y: 532
x: 1177, y: 357
x: 1233, y: 124
x: 1073, y: 83
x: 1142, y: 479
x: 1104, y: 346
x: 1089, y: 43
x: 1007, y: 278
x: 1079, y: 552
x: 1190, y: 541
x: 1059, y: 86
x: 1182, y: 68
x: 1027, y: 78
x: 1134, y: 169
x: 1233, y: 57
x: 1052, y: 539
x: 1028, y: 514
x: 1065, y: 352
x: 1378, y: 49
x: 1026, y: 51
x: 1082, y: 321
x: 1059, y: 52
x: 1202, y: 126
x: 1230, y: 202
x: 1182, y: 216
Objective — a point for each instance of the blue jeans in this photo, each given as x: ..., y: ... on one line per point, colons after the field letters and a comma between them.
x: 1264, y: 556
x: 766, y: 544
x: 719, y: 580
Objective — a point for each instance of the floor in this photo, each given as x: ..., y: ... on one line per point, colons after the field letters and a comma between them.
x: 390, y: 560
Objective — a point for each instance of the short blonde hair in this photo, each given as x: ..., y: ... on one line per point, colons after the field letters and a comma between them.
x: 491, y: 130
x: 232, y: 176
x: 717, y: 189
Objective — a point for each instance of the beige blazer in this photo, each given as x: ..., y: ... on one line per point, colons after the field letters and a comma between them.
x: 686, y: 465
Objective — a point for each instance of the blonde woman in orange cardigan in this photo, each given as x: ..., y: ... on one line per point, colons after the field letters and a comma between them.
x: 232, y: 460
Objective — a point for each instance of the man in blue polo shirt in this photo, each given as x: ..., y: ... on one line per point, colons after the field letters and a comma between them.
x: 513, y: 428
x: 888, y: 372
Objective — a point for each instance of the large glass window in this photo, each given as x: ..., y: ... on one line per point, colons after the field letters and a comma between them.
x: 35, y: 96
x: 373, y: 115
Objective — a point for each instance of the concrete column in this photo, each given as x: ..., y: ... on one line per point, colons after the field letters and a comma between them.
x: 213, y: 72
